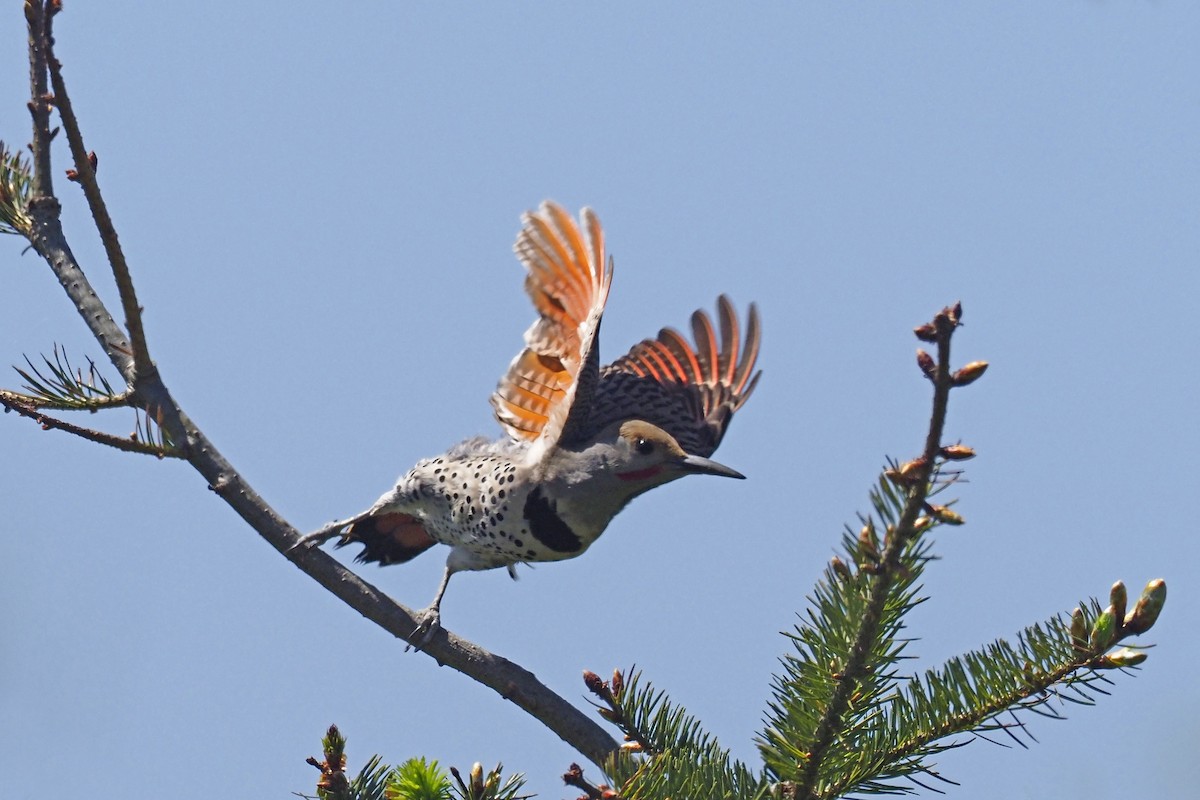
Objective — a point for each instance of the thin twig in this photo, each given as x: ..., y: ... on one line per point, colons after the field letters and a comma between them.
x: 39, y: 102
x: 121, y: 400
x: 508, y: 679
x: 574, y: 777
x: 52, y: 423
x: 86, y: 176
x: 46, y: 234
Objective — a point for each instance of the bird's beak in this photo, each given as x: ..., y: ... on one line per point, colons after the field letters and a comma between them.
x: 706, y: 466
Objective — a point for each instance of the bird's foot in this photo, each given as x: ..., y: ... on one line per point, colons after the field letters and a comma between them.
x: 322, y: 536
x: 429, y: 622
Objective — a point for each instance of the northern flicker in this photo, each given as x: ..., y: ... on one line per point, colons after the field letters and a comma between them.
x: 581, y: 441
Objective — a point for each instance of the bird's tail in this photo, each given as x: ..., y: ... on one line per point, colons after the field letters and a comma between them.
x: 388, y: 538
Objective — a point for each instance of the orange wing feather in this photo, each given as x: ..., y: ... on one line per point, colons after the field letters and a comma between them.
x: 568, y: 282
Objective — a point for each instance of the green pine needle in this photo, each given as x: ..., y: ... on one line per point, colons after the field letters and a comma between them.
x: 417, y: 779
x: 372, y: 781
x: 59, y: 385
x: 681, y: 759
x: 15, y: 186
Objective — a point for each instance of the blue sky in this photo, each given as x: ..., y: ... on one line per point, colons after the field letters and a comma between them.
x: 318, y: 202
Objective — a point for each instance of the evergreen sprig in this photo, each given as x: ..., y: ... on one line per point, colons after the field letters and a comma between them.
x: 415, y: 779
x: 371, y: 782
x: 669, y: 754
x: 15, y: 184
x: 58, y: 385
x: 823, y: 644
x: 489, y: 786
x: 333, y: 784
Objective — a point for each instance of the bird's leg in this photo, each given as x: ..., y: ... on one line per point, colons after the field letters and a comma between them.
x: 429, y: 621
x: 326, y: 533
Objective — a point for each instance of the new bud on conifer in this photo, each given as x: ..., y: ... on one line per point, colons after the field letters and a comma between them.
x: 1149, y: 606
x: 970, y: 373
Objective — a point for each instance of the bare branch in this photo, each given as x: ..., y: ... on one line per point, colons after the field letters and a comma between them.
x: 46, y: 234
x: 85, y: 175
x: 48, y: 240
x: 38, y: 20
x: 509, y: 680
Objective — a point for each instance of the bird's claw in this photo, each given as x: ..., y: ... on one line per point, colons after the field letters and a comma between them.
x: 429, y: 622
x: 320, y: 537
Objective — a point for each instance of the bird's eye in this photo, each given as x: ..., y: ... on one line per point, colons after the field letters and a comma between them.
x: 644, y: 446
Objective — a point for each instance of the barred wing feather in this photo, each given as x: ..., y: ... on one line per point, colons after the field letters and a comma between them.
x: 546, y: 394
x: 690, y: 391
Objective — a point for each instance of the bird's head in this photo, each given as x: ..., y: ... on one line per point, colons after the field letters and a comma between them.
x: 622, y: 461
x: 646, y: 455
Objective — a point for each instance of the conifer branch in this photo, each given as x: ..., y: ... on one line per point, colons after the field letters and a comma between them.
x: 667, y: 753
x: 39, y: 401
x: 969, y: 693
x: 885, y: 574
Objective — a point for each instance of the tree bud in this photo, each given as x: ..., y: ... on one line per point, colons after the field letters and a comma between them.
x: 1149, y: 606
x: 592, y: 681
x: 909, y: 471
x: 945, y: 514
x: 927, y: 364
x: 868, y: 542
x: 1104, y: 630
x: 1117, y: 599
x: 618, y: 682
x: 970, y: 373
x: 477, y: 777
x: 1125, y: 657
x: 956, y: 452
x: 840, y: 569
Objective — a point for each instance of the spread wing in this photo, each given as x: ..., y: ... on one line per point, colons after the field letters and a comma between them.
x: 690, y: 391
x: 547, y: 391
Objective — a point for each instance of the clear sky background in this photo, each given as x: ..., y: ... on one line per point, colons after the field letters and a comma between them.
x: 318, y: 202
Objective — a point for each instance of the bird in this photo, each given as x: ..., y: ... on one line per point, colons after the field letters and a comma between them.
x: 580, y: 440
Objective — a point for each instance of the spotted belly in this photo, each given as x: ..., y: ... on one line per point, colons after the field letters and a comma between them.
x: 483, y: 508
x: 506, y: 528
